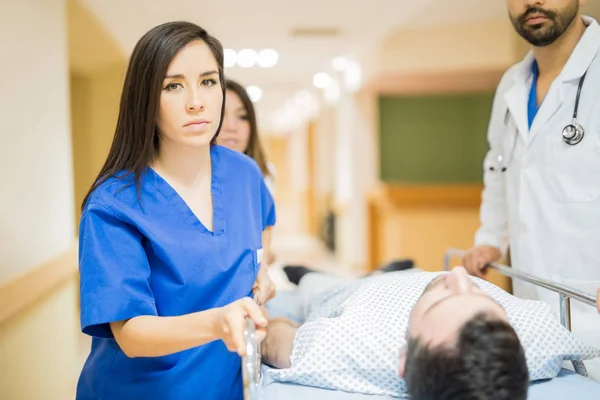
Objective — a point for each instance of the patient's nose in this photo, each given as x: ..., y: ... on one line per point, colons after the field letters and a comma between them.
x: 459, y: 281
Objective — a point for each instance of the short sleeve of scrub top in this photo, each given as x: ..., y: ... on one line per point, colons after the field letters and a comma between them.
x: 148, y: 254
x: 116, y: 272
x: 268, y: 205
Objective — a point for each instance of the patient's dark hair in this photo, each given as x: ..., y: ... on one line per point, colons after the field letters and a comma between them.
x: 487, y: 362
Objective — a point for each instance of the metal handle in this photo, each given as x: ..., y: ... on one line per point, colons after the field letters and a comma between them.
x: 251, y: 362
x: 565, y: 293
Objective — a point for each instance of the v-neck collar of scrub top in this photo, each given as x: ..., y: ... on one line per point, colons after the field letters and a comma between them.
x: 216, y: 190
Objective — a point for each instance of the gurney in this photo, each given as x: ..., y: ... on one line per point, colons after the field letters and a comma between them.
x: 258, y: 386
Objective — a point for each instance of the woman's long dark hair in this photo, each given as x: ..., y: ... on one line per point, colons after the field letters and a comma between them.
x: 254, y: 148
x: 136, y: 139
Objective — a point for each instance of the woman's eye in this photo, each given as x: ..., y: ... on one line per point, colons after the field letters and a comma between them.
x: 209, y: 82
x: 173, y: 86
x: 243, y: 117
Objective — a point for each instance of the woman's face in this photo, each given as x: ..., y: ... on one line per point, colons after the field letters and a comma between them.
x: 191, y: 98
x: 235, y: 132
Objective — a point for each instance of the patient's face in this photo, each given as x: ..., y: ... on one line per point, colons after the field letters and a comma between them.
x: 448, y: 302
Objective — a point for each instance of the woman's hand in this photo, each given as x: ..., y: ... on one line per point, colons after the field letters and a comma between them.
x: 598, y: 300
x: 230, y: 322
x: 263, y: 288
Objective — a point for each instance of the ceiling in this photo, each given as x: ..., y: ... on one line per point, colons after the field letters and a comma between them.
x: 357, y: 25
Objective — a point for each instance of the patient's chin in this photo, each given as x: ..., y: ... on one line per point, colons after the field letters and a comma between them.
x: 277, y: 346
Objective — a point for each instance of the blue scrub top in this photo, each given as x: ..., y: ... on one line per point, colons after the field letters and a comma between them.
x: 532, y: 107
x: 155, y: 257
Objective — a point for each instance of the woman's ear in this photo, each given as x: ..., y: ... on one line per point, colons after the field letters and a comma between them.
x: 402, y: 364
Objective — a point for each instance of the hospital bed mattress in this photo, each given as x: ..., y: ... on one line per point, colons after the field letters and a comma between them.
x: 568, y: 385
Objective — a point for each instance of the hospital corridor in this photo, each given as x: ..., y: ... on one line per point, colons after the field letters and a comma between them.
x: 405, y: 191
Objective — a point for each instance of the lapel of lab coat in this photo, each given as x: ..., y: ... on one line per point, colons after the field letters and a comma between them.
x: 516, y: 97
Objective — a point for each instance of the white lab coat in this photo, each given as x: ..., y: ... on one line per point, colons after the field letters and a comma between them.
x: 547, y: 203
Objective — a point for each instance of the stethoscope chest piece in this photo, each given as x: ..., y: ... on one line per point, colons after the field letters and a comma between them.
x: 573, y: 133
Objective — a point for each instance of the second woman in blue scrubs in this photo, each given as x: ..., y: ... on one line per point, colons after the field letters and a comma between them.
x: 171, y: 234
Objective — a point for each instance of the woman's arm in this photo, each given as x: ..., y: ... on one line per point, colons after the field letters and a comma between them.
x: 264, y: 284
x: 152, y: 336
x: 266, y: 244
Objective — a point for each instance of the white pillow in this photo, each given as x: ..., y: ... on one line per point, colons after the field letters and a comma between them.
x: 351, y: 339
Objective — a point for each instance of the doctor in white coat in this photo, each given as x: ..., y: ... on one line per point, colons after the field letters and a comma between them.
x: 542, y: 181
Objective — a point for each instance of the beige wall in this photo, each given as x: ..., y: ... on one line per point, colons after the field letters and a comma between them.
x: 63, y: 58
x: 94, y: 115
x: 36, y: 198
x: 39, y: 352
x: 355, y: 172
x: 97, y: 67
x: 91, y: 49
x: 324, y: 150
x: 106, y: 89
x: 37, y: 346
x: 80, y: 124
x: 449, y: 48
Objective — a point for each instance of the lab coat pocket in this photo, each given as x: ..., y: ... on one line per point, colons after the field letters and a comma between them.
x: 572, y: 173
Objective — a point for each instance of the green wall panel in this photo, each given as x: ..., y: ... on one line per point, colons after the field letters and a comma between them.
x: 433, y: 139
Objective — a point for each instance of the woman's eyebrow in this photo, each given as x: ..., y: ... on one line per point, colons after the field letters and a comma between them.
x: 181, y: 76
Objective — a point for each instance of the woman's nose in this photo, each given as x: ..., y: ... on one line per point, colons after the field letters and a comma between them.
x: 194, y: 102
x: 229, y: 124
x: 459, y: 281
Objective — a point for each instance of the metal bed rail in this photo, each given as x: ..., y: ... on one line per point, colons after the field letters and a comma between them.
x: 565, y: 293
x: 251, y: 362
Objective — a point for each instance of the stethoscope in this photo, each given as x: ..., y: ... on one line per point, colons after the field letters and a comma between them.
x: 572, y: 134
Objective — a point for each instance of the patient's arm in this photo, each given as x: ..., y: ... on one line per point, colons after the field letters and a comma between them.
x: 277, y: 346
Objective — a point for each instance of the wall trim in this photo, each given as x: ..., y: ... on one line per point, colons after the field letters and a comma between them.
x: 418, y: 195
x: 18, y: 293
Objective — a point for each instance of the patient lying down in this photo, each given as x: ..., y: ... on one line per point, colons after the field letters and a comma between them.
x: 459, y: 343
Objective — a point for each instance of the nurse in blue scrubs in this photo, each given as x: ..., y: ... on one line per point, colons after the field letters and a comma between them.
x: 172, y: 234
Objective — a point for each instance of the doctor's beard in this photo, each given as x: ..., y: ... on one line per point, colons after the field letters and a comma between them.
x: 546, y: 33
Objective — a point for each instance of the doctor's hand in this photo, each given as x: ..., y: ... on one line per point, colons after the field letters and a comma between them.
x: 598, y: 300
x: 230, y: 322
x: 263, y: 288
x: 477, y: 258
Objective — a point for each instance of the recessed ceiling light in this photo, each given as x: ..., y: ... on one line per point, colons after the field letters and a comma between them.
x: 254, y: 92
x: 230, y: 57
x: 321, y: 80
x: 267, y: 58
x: 340, y: 64
x: 247, y: 58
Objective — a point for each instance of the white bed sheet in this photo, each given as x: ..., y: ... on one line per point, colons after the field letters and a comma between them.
x: 568, y: 385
